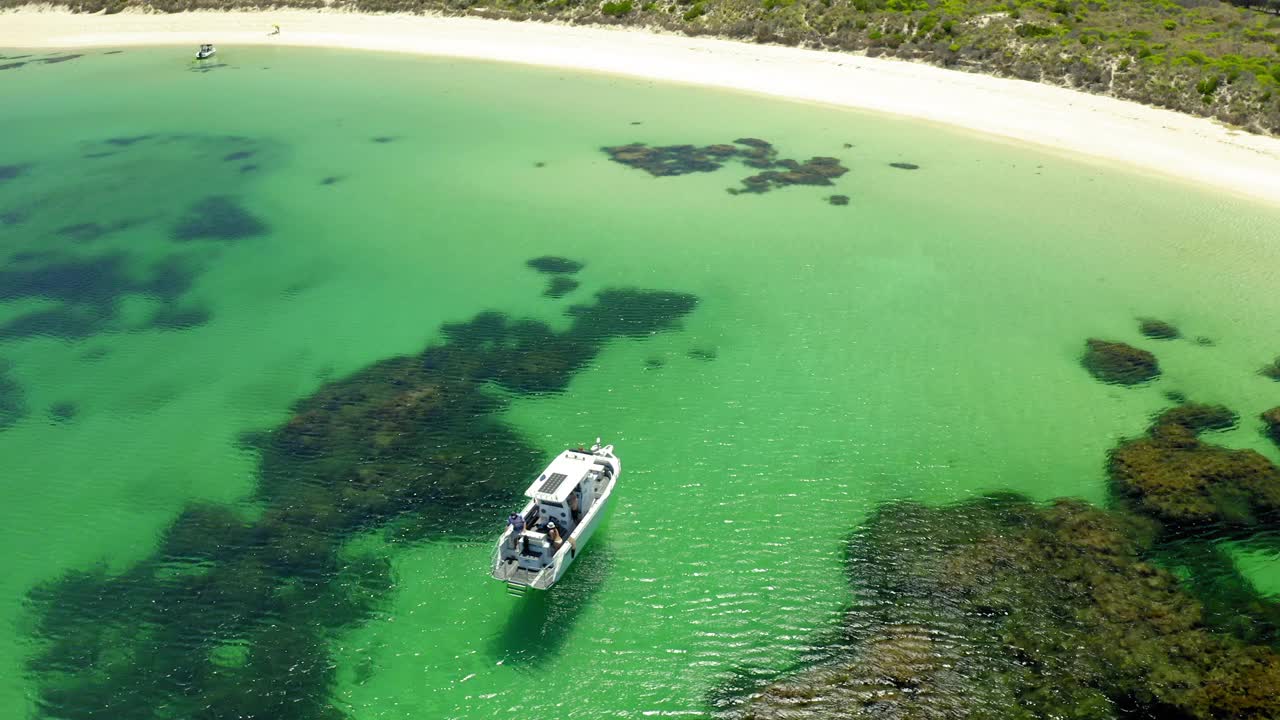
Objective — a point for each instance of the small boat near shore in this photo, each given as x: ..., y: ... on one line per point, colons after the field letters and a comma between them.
x: 206, y: 51
x: 566, y: 505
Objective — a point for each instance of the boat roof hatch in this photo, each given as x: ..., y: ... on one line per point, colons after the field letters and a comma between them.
x: 565, y: 472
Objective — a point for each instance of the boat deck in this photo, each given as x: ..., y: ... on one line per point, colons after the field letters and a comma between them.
x: 512, y: 572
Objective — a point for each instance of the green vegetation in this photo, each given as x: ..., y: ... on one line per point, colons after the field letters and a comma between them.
x: 999, y: 608
x: 1002, y: 608
x: 1204, y: 57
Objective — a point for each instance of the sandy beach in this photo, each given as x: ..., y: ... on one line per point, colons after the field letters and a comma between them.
x: 1145, y: 138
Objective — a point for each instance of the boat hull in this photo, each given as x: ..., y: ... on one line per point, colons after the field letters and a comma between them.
x: 575, y: 545
x: 544, y: 578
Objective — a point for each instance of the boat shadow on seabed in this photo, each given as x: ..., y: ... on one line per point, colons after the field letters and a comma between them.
x: 541, y: 622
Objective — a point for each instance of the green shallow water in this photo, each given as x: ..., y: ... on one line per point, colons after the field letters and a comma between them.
x: 921, y: 342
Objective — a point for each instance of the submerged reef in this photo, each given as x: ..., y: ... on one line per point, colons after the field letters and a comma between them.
x: 838, y: 199
x: 172, y: 317
x: 1118, y: 363
x: 1272, y: 370
x: 218, y: 217
x: 13, y: 403
x: 10, y: 172
x: 1271, y: 419
x: 63, y: 412
x: 78, y: 263
x: 69, y: 322
x: 1230, y: 601
x: 814, y: 171
x: 553, y: 265
x: 87, y: 232
x: 205, y: 66
x: 88, y: 292
x: 1158, y: 329
x: 1173, y: 476
x: 558, y: 287
x: 128, y: 140
x: 703, y: 354
x: 557, y: 267
x: 14, y: 217
x: 904, y: 166
x: 231, y: 617
x: 1000, y: 608
x: 672, y: 160
x: 1196, y: 418
x: 22, y: 60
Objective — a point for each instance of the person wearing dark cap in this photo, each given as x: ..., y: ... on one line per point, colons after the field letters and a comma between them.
x: 516, y: 521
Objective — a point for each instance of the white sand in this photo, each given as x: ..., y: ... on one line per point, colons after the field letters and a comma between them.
x: 1158, y: 141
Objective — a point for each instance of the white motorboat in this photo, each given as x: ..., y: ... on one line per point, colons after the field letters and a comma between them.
x: 566, y: 505
x: 206, y: 51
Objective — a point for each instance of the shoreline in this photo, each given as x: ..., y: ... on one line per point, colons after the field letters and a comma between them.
x: 1162, y: 142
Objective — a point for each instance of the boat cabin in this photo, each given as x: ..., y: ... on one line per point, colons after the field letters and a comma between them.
x: 562, y: 490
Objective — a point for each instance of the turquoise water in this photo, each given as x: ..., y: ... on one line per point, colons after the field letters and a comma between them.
x: 921, y: 342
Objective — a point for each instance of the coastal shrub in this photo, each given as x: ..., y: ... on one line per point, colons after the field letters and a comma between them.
x: 1194, y: 57
x: 1019, y: 38
x: 1030, y: 30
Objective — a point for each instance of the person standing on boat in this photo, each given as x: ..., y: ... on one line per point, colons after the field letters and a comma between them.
x: 553, y: 534
x: 516, y: 521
